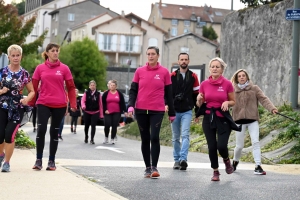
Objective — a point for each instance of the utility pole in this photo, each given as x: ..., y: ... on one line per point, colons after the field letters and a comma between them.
x: 231, y: 5
x: 295, y: 59
x: 129, y: 60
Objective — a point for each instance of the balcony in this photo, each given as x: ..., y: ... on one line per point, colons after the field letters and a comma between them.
x: 120, y: 48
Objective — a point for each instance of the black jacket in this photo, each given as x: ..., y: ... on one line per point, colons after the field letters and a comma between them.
x: 77, y: 113
x: 122, y: 101
x: 92, y: 100
x: 185, y: 91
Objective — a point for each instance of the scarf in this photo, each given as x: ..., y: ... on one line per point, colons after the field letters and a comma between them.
x: 218, y: 81
x: 243, y: 86
x: 52, y: 65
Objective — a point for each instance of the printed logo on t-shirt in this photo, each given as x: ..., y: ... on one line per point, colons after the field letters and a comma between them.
x: 58, y: 73
x: 156, y: 76
x: 116, y: 97
x: 220, y: 89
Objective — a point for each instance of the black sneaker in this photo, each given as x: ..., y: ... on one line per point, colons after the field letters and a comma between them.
x: 235, y: 164
x: 38, y: 164
x: 148, y: 172
x: 51, y: 165
x: 92, y: 142
x: 86, y: 140
x: 176, y: 165
x: 183, y: 165
x: 259, y: 171
x: 34, y: 129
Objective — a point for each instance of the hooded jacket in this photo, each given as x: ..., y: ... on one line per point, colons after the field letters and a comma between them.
x: 246, y: 102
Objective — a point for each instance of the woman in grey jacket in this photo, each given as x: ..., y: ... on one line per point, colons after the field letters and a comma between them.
x: 245, y: 112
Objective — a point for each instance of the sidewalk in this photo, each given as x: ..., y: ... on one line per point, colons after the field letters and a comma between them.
x: 23, y: 183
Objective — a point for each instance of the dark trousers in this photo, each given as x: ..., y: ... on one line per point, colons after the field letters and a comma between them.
x: 34, y: 116
x: 9, y: 128
x: 44, y: 113
x: 216, y: 142
x: 74, y: 121
x: 149, y: 126
x: 111, y: 120
x: 90, y: 120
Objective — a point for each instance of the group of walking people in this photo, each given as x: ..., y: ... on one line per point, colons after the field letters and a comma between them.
x: 153, y: 92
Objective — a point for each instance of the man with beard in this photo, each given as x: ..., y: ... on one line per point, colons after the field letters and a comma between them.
x: 185, y: 87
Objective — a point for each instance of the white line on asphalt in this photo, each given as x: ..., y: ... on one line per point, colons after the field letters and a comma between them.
x: 110, y: 149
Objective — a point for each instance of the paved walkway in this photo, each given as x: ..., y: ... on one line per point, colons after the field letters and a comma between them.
x: 23, y: 183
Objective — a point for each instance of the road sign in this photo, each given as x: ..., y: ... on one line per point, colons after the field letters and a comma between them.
x: 292, y: 14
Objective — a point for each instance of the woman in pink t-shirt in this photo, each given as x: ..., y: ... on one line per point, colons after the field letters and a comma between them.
x: 113, y: 105
x: 218, y: 93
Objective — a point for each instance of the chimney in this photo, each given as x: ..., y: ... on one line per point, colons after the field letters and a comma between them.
x: 123, y: 14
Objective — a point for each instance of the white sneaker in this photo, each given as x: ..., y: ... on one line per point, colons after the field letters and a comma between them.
x: 105, y: 140
x: 112, y: 141
x: 116, y: 138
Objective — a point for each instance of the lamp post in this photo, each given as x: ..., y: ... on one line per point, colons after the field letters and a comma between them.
x: 129, y: 60
x: 43, y: 26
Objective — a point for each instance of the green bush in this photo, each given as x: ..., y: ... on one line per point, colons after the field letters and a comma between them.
x: 23, y: 140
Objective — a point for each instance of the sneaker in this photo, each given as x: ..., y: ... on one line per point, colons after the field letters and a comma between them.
x: 51, y: 165
x: 105, y: 140
x: 228, y: 166
x: 1, y: 159
x: 147, y: 173
x: 92, y: 142
x: 72, y: 129
x: 235, y: 164
x: 216, y: 176
x: 34, y: 129
x: 259, y: 171
x: 176, y: 165
x: 116, y: 138
x: 183, y: 165
x: 38, y: 164
x: 112, y: 141
x: 5, y: 167
x: 86, y: 139
x: 60, y: 138
x: 154, y: 173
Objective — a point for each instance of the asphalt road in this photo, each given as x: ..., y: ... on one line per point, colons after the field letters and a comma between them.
x: 120, y: 168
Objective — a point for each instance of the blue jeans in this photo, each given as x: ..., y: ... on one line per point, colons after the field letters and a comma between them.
x: 181, y: 126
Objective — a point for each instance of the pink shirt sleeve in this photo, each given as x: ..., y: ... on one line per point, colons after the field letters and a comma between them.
x: 68, y: 74
x: 100, y: 106
x: 36, y: 73
x: 168, y: 78
x: 83, y: 101
x: 136, y: 76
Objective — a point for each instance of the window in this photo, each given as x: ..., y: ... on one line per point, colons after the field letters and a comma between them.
x: 186, y: 30
x: 74, y: 1
x: 174, y: 31
x: 53, y: 16
x: 201, y: 24
x: 71, y: 16
x: 174, y: 22
x: 184, y: 50
x: 129, y: 43
x: 133, y: 21
x: 107, y: 42
x: 152, y: 42
x: 187, y: 23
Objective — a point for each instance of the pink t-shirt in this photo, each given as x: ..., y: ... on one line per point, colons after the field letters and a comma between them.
x: 52, y: 92
x: 151, y: 91
x: 216, y: 93
x: 113, y: 102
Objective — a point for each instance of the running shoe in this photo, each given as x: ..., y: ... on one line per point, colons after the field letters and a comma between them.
x: 259, y: 171
x: 1, y: 159
x: 38, y: 164
x: 51, y: 165
x: 216, y: 176
x: 154, y: 173
x: 5, y: 167
x: 228, y: 166
x: 105, y: 140
x: 235, y: 164
x: 147, y: 173
x: 112, y: 141
x: 92, y: 142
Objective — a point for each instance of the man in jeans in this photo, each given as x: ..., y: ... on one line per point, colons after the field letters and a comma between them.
x: 185, y: 87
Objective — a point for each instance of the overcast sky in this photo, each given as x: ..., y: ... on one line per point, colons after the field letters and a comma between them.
x: 142, y: 8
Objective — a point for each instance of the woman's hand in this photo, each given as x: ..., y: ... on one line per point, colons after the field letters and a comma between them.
x: 107, y: 112
x: 166, y: 108
x: 73, y: 109
x: 4, y: 90
x: 196, y: 120
x: 274, y: 111
x: 24, y: 101
x: 225, y: 106
x: 200, y: 100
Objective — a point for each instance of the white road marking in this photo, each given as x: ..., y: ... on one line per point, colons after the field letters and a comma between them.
x: 110, y: 149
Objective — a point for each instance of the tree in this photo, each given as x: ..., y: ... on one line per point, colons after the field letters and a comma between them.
x: 14, y: 30
x: 209, y: 33
x: 85, y: 62
x: 254, y: 3
x: 20, y: 6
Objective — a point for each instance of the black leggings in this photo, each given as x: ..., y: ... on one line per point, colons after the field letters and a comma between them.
x: 44, y: 113
x: 90, y: 120
x: 34, y: 116
x: 74, y: 121
x: 111, y: 120
x: 215, y: 143
x: 147, y: 122
x: 9, y: 128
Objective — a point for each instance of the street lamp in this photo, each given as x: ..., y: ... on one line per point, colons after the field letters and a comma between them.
x: 129, y: 60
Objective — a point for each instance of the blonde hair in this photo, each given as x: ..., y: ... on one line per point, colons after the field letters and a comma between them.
x: 92, y: 81
x: 223, y: 64
x: 114, y: 81
x: 234, y: 78
x: 14, y: 47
